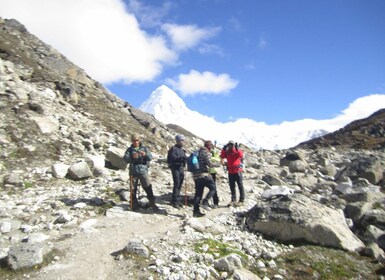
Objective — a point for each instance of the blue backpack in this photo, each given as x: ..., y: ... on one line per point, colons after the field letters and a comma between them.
x: 192, y: 162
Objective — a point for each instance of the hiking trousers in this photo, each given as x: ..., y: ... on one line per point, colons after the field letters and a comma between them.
x: 200, y: 184
x: 178, y: 178
x: 236, y: 178
x: 146, y: 184
x: 215, y: 197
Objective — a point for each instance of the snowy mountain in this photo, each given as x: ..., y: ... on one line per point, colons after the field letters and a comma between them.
x: 169, y: 108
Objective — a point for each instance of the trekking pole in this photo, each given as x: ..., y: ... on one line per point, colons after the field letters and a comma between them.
x: 185, y: 189
x: 137, y: 188
x: 131, y: 191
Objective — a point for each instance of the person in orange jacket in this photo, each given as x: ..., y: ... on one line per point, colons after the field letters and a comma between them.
x: 234, y: 157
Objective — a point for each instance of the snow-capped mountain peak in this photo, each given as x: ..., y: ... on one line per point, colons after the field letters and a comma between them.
x: 169, y: 108
x: 165, y: 105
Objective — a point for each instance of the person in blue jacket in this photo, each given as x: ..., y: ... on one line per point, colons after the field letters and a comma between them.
x: 138, y: 156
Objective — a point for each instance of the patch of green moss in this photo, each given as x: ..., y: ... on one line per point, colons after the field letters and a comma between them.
x: 313, y: 262
x: 28, y: 184
x: 217, y: 248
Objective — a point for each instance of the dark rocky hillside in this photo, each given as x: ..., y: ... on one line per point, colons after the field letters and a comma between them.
x: 368, y: 133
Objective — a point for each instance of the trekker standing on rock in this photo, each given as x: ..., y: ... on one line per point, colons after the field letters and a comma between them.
x: 215, y: 160
x: 234, y: 156
x: 176, y: 159
x: 202, y: 179
x: 138, y: 156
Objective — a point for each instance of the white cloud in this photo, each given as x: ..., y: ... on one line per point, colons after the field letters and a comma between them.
x: 195, y: 83
x: 99, y: 36
x: 211, y: 49
x: 360, y: 108
x: 188, y: 36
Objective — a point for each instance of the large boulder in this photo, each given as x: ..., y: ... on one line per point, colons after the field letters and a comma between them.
x: 370, y: 168
x: 115, y: 157
x: 26, y: 255
x: 298, y: 218
x: 79, y: 171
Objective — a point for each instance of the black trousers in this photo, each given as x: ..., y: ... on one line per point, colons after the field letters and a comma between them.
x: 215, y: 197
x: 236, y: 178
x: 178, y: 178
x: 200, y: 184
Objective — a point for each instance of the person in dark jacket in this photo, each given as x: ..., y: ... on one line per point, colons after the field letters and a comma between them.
x: 202, y: 178
x: 176, y: 159
x: 138, y: 156
x: 234, y: 157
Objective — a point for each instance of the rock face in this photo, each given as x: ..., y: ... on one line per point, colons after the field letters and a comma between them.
x: 297, y: 218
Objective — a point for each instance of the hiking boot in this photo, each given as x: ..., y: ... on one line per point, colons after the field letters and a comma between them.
x: 232, y: 204
x: 153, y: 206
x: 198, y: 214
x: 177, y: 205
x: 241, y: 203
x: 135, y: 205
x: 206, y: 206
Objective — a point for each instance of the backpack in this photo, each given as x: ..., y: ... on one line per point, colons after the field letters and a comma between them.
x: 192, y: 162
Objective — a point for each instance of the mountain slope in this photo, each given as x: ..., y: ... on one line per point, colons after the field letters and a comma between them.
x: 367, y: 133
x: 52, y: 110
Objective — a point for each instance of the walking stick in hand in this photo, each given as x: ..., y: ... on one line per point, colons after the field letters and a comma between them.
x: 185, y: 190
x: 131, y: 191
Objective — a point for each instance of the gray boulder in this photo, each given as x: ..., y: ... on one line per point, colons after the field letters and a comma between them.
x: 228, y: 263
x: 60, y: 170
x: 244, y: 274
x: 79, y: 171
x: 298, y: 218
x: 115, y: 157
x: 26, y: 255
x: 136, y: 247
x: 369, y: 167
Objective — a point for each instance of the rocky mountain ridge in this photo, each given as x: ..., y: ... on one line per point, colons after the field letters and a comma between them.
x: 367, y: 133
x: 64, y: 212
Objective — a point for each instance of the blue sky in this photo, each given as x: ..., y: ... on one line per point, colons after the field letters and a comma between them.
x: 270, y: 61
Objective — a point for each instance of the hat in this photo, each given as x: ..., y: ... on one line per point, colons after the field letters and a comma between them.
x: 135, y: 136
x: 179, y: 138
x: 231, y: 142
x: 208, y: 144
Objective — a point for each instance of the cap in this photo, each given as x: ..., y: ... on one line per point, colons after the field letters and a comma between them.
x: 179, y: 138
x: 208, y: 144
x: 231, y: 142
x: 134, y: 137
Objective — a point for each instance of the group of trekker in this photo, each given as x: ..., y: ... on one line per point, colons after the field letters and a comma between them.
x: 230, y: 156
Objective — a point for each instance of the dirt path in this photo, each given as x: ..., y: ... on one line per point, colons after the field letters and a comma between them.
x: 90, y: 252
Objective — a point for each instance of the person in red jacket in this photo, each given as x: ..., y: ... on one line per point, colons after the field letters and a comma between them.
x: 234, y: 157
